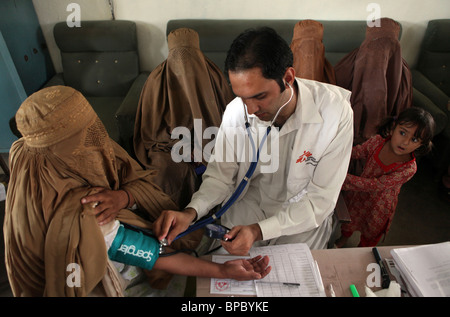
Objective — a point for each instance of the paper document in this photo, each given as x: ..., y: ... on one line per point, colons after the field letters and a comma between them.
x: 292, y: 264
x: 230, y: 286
x: 425, y: 269
x: 294, y: 274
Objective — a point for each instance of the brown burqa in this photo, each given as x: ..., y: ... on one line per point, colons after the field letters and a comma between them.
x: 65, y: 152
x: 184, y: 87
x: 309, y: 52
x: 378, y: 77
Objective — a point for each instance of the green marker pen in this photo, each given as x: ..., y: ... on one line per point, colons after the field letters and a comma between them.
x: 354, y: 290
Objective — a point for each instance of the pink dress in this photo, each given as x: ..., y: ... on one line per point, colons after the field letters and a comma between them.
x: 372, y: 197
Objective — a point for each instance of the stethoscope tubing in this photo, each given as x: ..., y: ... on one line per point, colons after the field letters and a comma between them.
x: 238, y: 191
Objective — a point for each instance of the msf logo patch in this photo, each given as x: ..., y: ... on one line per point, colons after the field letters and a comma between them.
x: 308, y: 158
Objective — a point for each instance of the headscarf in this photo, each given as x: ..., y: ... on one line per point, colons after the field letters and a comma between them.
x: 377, y: 76
x: 186, y: 86
x: 65, y: 151
x: 309, y: 52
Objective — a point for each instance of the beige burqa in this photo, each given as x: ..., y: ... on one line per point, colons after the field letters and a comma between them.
x: 185, y: 87
x: 309, y: 52
x: 65, y: 151
x: 377, y: 76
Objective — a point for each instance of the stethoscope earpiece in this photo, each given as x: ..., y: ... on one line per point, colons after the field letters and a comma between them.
x: 290, y: 98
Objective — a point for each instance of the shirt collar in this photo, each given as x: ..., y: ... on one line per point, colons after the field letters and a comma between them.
x: 305, y: 110
x: 307, y: 105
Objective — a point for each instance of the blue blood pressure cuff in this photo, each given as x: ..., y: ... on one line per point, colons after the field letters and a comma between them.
x: 134, y: 248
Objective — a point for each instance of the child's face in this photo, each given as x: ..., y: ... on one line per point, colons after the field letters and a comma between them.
x: 403, y: 140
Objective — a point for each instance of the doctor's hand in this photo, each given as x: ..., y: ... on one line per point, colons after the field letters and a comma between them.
x: 171, y: 223
x: 242, y: 239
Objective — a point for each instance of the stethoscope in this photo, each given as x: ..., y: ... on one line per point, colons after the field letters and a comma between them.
x: 239, y: 189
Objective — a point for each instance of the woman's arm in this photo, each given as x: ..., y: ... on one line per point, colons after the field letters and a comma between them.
x: 132, y: 247
x: 239, y: 269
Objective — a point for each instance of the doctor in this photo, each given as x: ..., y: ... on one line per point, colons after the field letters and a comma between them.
x: 291, y: 196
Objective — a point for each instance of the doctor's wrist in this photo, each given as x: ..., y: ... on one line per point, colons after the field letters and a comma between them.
x: 256, y: 231
x: 192, y: 213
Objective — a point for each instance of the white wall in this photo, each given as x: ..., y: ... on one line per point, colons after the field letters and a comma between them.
x: 151, y: 17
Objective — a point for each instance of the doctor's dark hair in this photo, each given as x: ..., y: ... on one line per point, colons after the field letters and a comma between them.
x: 263, y: 48
x: 410, y: 117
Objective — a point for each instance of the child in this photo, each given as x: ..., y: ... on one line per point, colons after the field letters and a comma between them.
x: 390, y: 162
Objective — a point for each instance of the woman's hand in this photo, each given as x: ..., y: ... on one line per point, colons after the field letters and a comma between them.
x: 251, y: 269
x: 107, y: 203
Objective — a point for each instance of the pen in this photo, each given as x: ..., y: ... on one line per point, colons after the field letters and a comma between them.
x: 333, y: 294
x: 279, y: 283
x: 384, y: 273
x: 354, y: 290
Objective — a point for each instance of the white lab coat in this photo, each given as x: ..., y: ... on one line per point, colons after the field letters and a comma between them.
x: 290, y: 196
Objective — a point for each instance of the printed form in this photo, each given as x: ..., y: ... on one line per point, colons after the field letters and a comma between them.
x: 229, y: 286
x: 294, y: 274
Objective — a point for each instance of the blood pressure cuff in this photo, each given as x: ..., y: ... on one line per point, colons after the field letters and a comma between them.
x: 134, y: 248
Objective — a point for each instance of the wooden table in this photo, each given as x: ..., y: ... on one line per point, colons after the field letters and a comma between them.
x: 338, y: 267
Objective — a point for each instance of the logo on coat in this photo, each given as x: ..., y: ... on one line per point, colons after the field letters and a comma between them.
x: 307, y: 158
